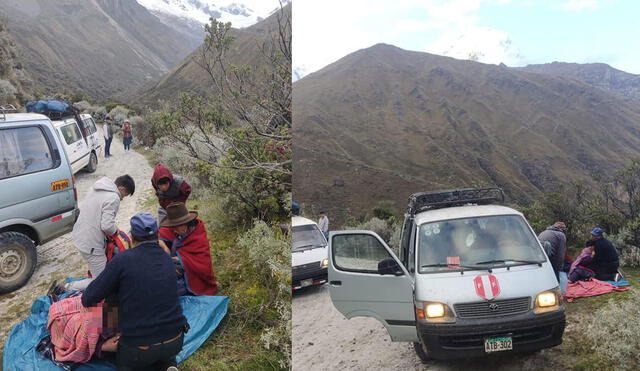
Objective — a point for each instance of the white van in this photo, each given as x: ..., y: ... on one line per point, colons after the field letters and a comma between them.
x: 309, y: 258
x: 470, y: 279
x: 82, y: 143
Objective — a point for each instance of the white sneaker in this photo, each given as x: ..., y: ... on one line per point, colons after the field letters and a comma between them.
x: 172, y: 368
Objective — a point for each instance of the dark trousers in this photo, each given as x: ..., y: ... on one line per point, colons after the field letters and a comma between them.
x: 107, y: 146
x: 156, y: 357
x: 605, y: 271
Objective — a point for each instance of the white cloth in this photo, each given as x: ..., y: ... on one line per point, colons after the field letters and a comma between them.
x: 97, y: 217
x: 105, y: 130
x: 323, y: 224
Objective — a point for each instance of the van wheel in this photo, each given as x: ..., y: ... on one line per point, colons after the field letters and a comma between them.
x: 93, y: 163
x: 18, y: 257
x: 421, y: 351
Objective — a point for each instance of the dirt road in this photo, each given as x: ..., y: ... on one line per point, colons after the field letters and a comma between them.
x: 59, y: 258
x: 324, y: 340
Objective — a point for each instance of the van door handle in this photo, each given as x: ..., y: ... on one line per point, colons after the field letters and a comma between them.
x: 335, y: 283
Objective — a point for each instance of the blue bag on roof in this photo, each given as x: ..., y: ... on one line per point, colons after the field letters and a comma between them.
x: 46, y: 106
x: 203, y: 314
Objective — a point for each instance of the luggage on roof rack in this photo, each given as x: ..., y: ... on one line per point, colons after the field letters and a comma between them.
x: 453, y: 197
x: 57, y: 109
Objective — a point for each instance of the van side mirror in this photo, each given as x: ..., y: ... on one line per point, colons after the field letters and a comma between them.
x: 389, y: 266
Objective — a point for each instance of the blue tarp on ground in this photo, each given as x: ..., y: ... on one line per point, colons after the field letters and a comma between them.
x: 203, y: 313
x: 621, y: 283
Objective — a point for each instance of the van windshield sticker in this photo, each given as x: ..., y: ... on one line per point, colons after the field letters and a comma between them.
x: 454, y: 262
x: 59, y: 185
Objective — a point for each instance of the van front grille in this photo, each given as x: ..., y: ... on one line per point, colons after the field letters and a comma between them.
x: 495, y: 308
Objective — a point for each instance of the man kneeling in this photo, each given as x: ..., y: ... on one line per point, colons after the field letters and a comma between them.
x: 150, y: 315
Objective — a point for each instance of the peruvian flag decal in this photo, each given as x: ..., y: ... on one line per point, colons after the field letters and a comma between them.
x: 487, y: 286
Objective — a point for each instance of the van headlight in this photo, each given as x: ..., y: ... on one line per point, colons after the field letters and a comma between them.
x: 433, y: 312
x: 324, y: 263
x: 548, y: 301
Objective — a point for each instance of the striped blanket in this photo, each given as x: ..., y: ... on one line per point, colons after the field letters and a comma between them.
x: 74, y: 329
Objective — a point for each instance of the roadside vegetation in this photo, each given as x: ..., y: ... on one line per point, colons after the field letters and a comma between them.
x: 234, y: 148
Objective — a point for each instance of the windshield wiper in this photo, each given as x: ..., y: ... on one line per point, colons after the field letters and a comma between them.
x: 307, y: 247
x: 511, y: 260
x: 462, y: 267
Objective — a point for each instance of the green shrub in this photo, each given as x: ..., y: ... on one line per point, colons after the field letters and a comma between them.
x: 388, y: 230
x: 615, y: 335
x: 270, y: 253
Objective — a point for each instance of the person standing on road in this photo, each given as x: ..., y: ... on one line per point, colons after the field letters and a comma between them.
x: 149, y: 312
x: 127, y: 137
x: 323, y: 224
x: 107, y: 129
x: 554, y: 241
x: 97, y: 219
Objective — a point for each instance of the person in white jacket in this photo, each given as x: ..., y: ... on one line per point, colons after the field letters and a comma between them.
x: 323, y: 224
x: 98, y: 218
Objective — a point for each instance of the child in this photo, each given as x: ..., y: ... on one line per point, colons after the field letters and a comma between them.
x: 169, y: 188
x: 579, y: 268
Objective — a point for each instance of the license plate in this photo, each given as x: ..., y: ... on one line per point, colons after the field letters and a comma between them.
x: 305, y: 283
x: 498, y: 344
x: 59, y: 185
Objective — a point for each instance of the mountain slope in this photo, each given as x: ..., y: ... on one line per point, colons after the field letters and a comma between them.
x: 188, y: 75
x: 384, y: 122
x: 596, y: 74
x: 97, y: 47
x: 15, y: 82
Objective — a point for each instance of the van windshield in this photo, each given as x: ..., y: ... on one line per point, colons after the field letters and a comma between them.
x: 479, y: 242
x: 306, y: 236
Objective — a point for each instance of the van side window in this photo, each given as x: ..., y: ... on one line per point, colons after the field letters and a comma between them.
x: 89, y: 123
x: 22, y: 151
x: 358, y: 253
x: 71, y: 133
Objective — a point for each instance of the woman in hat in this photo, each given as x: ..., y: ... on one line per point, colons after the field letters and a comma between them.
x: 185, y: 238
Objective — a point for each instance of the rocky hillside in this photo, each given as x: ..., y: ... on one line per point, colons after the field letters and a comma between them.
x: 596, y: 74
x: 384, y: 122
x: 101, y: 48
x: 188, y: 75
x: 15, y: 83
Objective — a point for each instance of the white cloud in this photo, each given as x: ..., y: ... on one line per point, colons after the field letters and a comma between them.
x: 325, y: 31
x: 580, y: 5
x: 480, y: 44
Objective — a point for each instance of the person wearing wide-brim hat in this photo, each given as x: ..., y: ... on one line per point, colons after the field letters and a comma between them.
x: 185, y: 239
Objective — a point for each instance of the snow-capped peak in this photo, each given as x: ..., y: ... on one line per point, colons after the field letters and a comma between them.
x: 242, y: 13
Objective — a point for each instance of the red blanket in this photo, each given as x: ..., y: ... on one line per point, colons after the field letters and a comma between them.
x: 74, y: 329
x: 593, y: 287
x: 195, y: 255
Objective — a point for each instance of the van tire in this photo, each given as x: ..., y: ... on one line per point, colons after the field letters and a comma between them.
x: 93, y: 163
x: 16, y: 249
x: 421, y: 351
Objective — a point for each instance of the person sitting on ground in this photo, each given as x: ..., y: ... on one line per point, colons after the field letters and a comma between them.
x: 579, y: 270
x: 605, y: 261
x: 184, y: 237
x: 169, y: 188
x: 555, y: 240
x: 150, y: 315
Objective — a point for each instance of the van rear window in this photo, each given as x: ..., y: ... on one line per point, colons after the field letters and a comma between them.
x: 23, y: 151
x: 71, y: 133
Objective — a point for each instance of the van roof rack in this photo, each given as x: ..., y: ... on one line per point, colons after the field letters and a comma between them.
x: 423, y: 201
x: 7, y: 108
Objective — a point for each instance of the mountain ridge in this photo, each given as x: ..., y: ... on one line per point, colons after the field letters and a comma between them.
x: 448, y: 123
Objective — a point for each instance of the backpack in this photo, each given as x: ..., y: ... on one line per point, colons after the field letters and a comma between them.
x: 116, y: 244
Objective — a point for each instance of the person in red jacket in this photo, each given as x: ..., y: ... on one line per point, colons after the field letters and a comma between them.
x: 184, y: 237
x: 169, y: 188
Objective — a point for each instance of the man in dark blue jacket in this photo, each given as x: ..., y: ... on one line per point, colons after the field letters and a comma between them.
x: 150, y: 315
x: 605, y: 261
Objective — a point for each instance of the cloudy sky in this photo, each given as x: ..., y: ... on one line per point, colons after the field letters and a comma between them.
x: 514, y: 32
